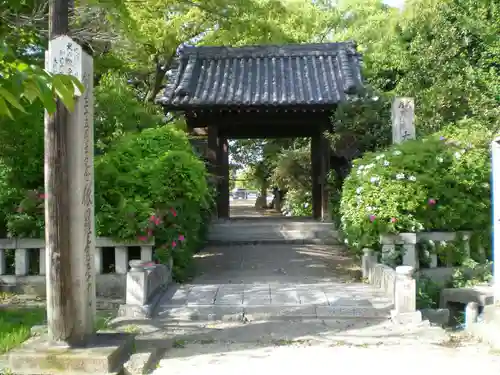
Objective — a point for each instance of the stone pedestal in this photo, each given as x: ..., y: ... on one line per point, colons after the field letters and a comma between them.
x: 367, y: 262
x: 405, y: 297
x: 105, y: 353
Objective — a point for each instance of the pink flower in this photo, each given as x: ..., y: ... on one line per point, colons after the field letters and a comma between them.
x: 393, y: 219
x: 42, y: 196
x: 174, y: 244
x: 372, y: 218
x: 142, y: 238
x: 155, y: 219
x: 431, y: 201
x: 173, y: 212
x: 181, y: 237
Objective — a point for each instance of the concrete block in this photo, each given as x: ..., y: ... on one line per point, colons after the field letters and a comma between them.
x: 105, y: 354
x: 439, y: 317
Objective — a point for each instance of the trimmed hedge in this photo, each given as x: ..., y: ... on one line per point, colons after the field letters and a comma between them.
x: 438, y: 183
x: 152, y: 184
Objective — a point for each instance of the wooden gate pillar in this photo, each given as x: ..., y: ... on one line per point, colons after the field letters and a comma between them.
x: 212, y: 152
x: 320, y: 160
x: 223, y: 178
x: 316, y: 175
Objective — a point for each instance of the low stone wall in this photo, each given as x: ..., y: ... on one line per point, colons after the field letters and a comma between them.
x: 397, y: 284
x: 146, y: 283
x: 409, y: 242
x: 25, y: 280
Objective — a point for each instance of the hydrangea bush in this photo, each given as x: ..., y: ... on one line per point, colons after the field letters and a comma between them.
x: 438, y: 183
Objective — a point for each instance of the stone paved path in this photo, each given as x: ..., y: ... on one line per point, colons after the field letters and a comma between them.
x: 308, y: 281
x: 289, y: 309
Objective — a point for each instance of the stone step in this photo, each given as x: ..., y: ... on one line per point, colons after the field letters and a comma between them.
x: 236, y: 313
x: 273, y: 231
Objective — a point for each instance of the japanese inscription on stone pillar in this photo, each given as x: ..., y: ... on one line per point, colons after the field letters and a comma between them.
x: 67, y: 57
x: 403, y: 113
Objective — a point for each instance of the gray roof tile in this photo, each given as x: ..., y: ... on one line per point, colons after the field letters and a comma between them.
x: 303, y: 74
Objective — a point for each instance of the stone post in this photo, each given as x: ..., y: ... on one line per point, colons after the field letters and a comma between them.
x: 367, y: 262
x: 136, y: 283
x: 67, y: 57
x: 403, y: 113
x: 405, y: 297
x: 495, y: 170
x: 471, y: 314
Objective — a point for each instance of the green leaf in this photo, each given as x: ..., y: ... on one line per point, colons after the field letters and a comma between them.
x: 63, y: 92
x: 11, y: 99
x: 4, y: 109
x: 45, y: 95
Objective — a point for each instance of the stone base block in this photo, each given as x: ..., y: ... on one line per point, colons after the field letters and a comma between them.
x: 410, y: 318
x: 439, y: 317
x: 143, y: 311
x: 105, y: 354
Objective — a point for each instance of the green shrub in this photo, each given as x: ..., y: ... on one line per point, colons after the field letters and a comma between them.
x: 151, y: 184
x: 438, y: 183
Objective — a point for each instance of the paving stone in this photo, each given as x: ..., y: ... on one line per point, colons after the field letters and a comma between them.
x: 202, y: 294
x: 276, y: 312
x: 203, y: 313
x: 230, y: 294
x: 284, y: 295
x: 326, y: 312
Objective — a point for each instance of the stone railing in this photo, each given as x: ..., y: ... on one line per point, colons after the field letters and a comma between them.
x: 146, y: 284
x: 397, y: 284
x: 410, y: 242
x: 27, y: 275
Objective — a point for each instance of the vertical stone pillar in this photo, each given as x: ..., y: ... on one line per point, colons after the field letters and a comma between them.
x: 136, y: 284
x: 405, y: 297
x: 42, y: 268
x: 471, y: 314
x: 410, y: 256
x: 147, y: 253
x: 121, y: 260
x: 71, y: 307
x: 367, y: 262
x: 22, y: 264
x: 99, y: 266
x: 3, y: 268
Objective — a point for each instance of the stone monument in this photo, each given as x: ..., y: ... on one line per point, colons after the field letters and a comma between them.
x: 403, y: 115
x: 72, y: 346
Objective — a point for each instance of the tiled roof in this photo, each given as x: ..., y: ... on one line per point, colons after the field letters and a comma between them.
x: 302, y: 74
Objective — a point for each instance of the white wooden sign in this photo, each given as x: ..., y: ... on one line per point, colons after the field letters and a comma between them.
x: 495, y: 196
x: 67, y: 57
x: 403, y: 114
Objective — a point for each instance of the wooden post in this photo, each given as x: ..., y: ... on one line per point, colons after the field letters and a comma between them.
x: 212, y: 152
x: 223, y: 186
x: 316, y: 171
x: 325, y: 169
x: 69, y: 187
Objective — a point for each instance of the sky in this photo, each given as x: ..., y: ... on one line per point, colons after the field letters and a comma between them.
x: 395, y: 3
